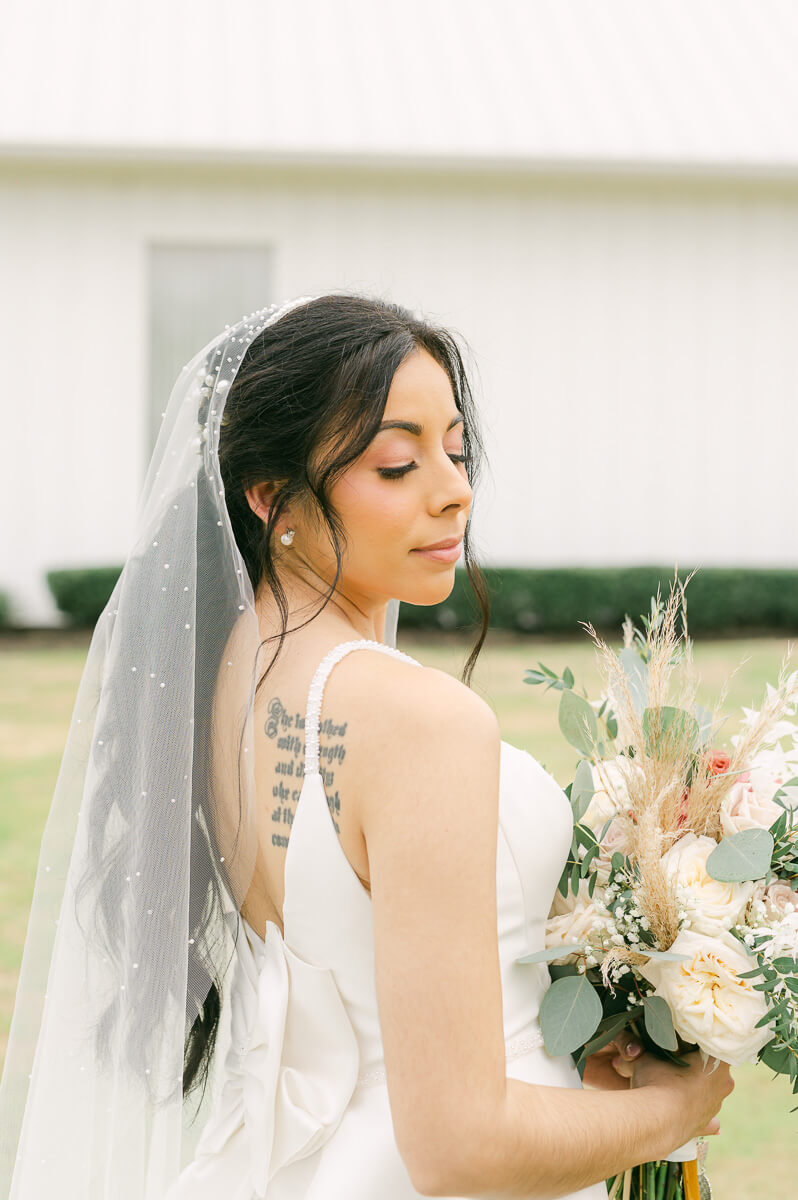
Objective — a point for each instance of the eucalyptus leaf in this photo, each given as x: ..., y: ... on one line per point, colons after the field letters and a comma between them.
x: 606, y: 826
x: 577, y: 722
x: 741, y: 856
x: 776, y: 1057
x: 659, y: 1022
x: 589, y: 856
x: 705, y: 718
x: 549, y: 953
x: 636, y: 672
x: 567, y: 677
x: 605, y: 1034
x: 575, y: 874
x: 582, y: 789
x: 569, y: 1014
x: 563, y: 970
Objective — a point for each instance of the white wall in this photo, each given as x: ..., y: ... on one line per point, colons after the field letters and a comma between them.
x: 634, y: 343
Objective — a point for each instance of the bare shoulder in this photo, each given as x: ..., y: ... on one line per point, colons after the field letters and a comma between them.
x: 393, y: 689
x: 407, y: 725
x: 395, y: 704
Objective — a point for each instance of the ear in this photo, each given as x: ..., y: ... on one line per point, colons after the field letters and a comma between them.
x: 260, y: 498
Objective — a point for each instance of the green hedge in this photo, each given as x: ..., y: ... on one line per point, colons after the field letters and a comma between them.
x: 82, y: 594
x: 5, y: 610
x: 555, y: 599
x: 545, y: 600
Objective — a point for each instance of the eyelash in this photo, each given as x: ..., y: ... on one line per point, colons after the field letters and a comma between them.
x: 400, y: 472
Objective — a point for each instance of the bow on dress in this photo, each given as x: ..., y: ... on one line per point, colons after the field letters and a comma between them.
x: 293, y: 1060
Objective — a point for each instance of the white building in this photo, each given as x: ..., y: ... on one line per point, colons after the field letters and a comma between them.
x: 601, y: 196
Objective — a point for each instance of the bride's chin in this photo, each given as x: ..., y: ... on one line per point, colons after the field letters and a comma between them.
x: 433, y: 590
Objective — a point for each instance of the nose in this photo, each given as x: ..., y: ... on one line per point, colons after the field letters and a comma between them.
x: 454, y: 490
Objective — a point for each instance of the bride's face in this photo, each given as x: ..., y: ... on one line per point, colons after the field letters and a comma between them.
x: 407, y: 490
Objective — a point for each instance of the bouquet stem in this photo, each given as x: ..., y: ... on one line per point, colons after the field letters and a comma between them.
x: 661, y: 1180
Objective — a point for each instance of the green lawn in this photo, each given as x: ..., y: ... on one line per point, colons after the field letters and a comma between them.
x: 755, y: 1152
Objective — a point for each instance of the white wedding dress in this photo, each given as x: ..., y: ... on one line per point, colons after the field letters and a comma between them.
x: 304, y: 1113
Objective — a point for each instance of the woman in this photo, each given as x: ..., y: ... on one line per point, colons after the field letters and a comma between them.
x: 287, y: 795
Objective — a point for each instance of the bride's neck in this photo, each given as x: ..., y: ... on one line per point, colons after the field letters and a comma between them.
x: 339, y: 617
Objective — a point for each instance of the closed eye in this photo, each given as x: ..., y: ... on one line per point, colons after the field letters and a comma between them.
x: 400, y: 472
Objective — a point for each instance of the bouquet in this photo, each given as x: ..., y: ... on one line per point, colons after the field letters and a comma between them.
x: 676, y: 914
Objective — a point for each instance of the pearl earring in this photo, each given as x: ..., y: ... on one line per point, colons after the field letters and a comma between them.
x: 287, y: 537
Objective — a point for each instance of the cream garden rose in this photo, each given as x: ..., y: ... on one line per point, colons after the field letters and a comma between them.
x: 576, y: 918
x: 610, y: 800
x: 602, y: 804
x: 712, y: 905
x: 710, y: 1004
x: 611, y: 794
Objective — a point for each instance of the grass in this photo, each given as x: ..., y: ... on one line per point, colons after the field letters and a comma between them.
x: 755, y: 1151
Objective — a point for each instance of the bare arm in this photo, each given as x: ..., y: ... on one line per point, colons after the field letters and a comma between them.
x: 429, y: 812
x: 551, y: 1141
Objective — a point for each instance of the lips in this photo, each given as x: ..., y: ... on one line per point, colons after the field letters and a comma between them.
x: 444, y: 545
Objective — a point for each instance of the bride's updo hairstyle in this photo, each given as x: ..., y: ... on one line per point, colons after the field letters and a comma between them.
x: 320, y: 376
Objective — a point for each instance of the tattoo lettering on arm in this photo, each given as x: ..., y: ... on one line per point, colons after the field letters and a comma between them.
x: 287, y: 731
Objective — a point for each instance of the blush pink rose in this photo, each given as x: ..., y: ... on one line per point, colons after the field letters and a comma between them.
x: 745, y: 807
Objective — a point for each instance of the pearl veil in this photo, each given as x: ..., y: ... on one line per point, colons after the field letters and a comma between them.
x: 135, y: 858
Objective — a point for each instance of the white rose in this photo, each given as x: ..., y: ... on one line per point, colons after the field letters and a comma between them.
x: 611, y: 794
x: 711, y: 1005
x: 599, y: 810
x: 712, y: 905
x: 575, y: 918
x: 748, y: 803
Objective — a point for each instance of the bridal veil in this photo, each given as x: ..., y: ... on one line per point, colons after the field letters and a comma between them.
x: 140, y: 879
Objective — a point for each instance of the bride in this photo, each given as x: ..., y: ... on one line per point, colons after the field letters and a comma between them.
x: 288, y: 868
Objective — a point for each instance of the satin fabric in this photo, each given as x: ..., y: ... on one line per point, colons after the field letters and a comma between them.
x: 303, y: 1111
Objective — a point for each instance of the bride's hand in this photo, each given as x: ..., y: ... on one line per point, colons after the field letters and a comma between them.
x: 599, y: 1071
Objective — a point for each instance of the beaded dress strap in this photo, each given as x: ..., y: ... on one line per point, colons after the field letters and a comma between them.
x: 317, y: 690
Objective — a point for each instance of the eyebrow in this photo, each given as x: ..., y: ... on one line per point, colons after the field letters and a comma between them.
x: 413, y: 427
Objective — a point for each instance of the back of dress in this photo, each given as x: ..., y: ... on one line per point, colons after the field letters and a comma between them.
x: 303, y: 1108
